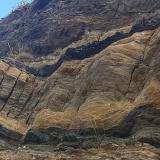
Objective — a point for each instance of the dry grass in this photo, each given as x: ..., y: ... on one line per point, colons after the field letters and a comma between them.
x: 105, y: 115
x: 133, y: 46
x: 47, y: 118
x: 12, y: 124
x: 13, y: 72
x: 3, y: 66
x: 150, y: 94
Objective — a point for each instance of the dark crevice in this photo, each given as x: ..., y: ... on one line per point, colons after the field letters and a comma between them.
x: 28, y: 118
x: 40, y: 95
x: 3, y: 73
x: 9, y: 95
x: 2, y: 79
x: 92, y: 49
x: 131, y: 78
x: 141, y: 61
x: 27, y: 100
x: 32, y: 110
x: 19, y: 97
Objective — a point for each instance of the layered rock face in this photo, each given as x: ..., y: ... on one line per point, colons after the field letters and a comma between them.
x: 99, y: 91
x: 96, y: 92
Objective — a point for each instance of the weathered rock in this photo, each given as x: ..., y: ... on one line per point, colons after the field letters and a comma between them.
x: 111, y: 82
x: 121, y: 152
x: 10, y: 135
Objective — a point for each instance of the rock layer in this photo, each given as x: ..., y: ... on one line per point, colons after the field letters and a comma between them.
x: 98, y: 102
x: 107, y: 87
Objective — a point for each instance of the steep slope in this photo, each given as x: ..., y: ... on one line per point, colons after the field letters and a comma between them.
x: 42, y: 27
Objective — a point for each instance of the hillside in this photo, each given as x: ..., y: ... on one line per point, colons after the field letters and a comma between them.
x: 93, y: 93
x: 42, y: 27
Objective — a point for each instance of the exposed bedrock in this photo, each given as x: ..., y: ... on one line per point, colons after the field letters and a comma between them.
x: 142, y: 124
x: 80, y: 79
x: 95, y: 92
x: 93, y: 48
x: 10, y: 135
x: 104, y: 83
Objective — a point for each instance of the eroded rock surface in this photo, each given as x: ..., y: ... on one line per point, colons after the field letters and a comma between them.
x: 112, y: 152
x: 102, y: 89
x: 97, y: 92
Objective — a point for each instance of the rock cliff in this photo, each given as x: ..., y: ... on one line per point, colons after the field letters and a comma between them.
x: 97, y: 89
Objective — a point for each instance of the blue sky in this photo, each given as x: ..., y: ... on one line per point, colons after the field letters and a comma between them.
x: 6, y: 6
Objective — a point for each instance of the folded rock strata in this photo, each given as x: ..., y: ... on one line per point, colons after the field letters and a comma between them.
x: 107, y: 87
x: 103, y: 92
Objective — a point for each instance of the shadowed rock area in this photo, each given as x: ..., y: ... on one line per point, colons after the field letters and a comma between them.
x: 142, y: 124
